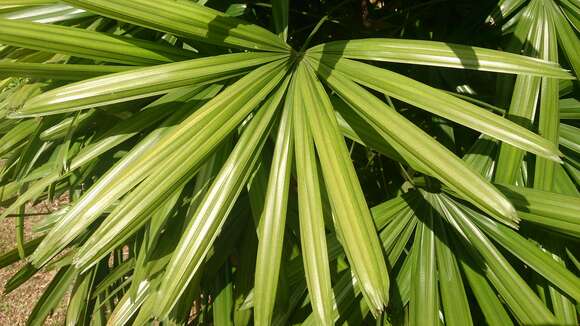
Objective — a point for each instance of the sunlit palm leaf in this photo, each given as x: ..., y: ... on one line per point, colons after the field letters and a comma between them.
x: 210, y: 215
x: 88, y: 44
x: 187, y: 19
x: 440, y: 54
x: 346, y: 197
x: 141, y: 83
x: 312, y: 231
x: 429, y: 154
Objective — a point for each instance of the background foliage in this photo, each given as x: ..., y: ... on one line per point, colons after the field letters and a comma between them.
x: 295, y: 162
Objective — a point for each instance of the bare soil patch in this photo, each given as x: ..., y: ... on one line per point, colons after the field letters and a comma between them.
x: 16, y: 306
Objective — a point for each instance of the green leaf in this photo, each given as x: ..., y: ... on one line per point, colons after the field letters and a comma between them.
x: 223, y: 304
x: 257, y: 187
x: 523, y: 302
x: 359, y: 236
x: 57, y: 71
x: 187, y: 19
x: 140, y: 83
x: 567, y: 37
x: 51, y: 13
x: 88, y: 44
x: 312, y: 231
x: 121, y: 178
x: 453, y: 297
x: 524, y: 100
x: 273, y: 220
x: 563, y: 306
x: 20, y: 277
x: 440, y: 54
x: 27, y: 2
x: 522, y: 108
x: 79, y: 301
x: 440, y: 103
x: 565, y: 183
x: 357, y: 129
x: 9, y: 257
x: 128, y: 306
x: 113, y: 277
x: 530, y: 254
x: 503, y: 9
x: 389, y: 211
x: 52, y: 295
x: 185, y: 148
x: 424, y: 303
x: 245, y: 277
x: 570, y: 137
x: 397, y: 234
x: 152, y: 233
x: 561, y: 212
x: 17, y: 135
x: 211, y: 214
x: 481, y: 156
x: 60, y: 129
x: 415, y: 145
x: 151, y: 114
x: 236, y: 9
x: 569, y: 109
x: 394, y: 236
x: 572, y: 12
x: 543, y: 203
x: 280, y: 10
x: 544, y: 178
x: 489, y: 303
x: 403, y: 288
x: 549, y: 115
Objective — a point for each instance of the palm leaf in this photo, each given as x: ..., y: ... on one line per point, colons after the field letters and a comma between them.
x: 210, y: 215
x: 139, y: 83
x: 507, y: 282
x: 424, y: 299
x: 427, y: 153
x: 45, y: 14
x: 88, y: 44
x: 312, y: 231
x: 280, y: 12
x: 57, y: 71
x: 442, y: 104
x: 345, y: 194
x: 273, y: 220
x: 132, y: 212
x: 440, y: 54
x: 187, y: 19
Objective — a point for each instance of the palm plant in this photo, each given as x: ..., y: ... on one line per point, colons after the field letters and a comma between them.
x: 210, y: 178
